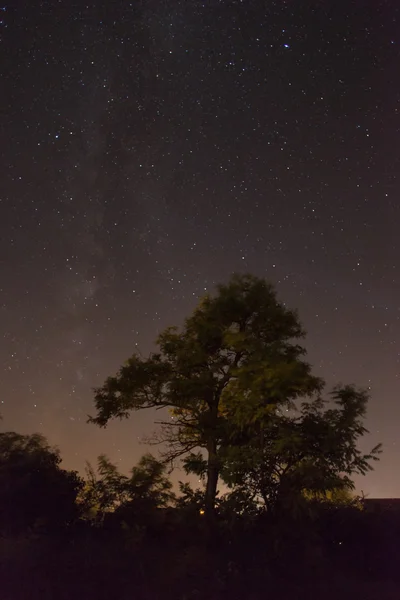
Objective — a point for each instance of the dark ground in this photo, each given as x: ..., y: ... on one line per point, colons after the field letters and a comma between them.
x: 351, y: 557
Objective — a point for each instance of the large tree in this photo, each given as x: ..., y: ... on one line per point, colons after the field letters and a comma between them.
x: 238, y: 353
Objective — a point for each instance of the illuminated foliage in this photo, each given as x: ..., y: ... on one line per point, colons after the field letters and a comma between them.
x: 284, y: 460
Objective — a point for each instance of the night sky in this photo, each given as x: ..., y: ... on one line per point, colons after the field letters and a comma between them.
x: 149, y: 149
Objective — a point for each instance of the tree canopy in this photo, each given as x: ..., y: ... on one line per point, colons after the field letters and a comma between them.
x: 33, y: 487
x: 148, y: 488
x: 310, y: 454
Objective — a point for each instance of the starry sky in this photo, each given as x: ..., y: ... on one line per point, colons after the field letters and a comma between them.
x: 149, y: 149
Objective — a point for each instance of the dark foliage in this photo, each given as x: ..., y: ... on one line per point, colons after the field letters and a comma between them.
x: 343, y: 553
x: 34, y: 490
x: 151, y: 545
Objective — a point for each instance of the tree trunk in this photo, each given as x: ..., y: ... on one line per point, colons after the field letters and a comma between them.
x: 212, y: 478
